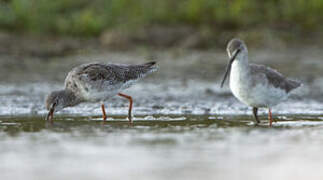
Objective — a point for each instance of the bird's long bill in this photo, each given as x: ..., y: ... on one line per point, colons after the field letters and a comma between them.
x: 228, y: 70
x: 50, y: 115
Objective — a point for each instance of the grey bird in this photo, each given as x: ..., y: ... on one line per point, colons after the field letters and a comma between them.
x: 255, y: 85
x: 96, y: 82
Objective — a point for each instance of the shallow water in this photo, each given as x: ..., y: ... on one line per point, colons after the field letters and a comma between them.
x: 159, y: 147
x: 185, y: 125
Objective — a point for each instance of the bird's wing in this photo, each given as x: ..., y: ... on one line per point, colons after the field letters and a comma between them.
x: 274, y: 78
x: 100, y: 72
x: 106, y: 76
x: 92, y: 76
x: 115, y: 73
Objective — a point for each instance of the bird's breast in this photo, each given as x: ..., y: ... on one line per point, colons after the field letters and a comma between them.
x: 241, y: 86
x: 239, y: 80
x: 255, y: 92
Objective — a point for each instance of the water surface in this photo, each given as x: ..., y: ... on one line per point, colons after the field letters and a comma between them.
x: 185, y: 125
x: 160, y: 147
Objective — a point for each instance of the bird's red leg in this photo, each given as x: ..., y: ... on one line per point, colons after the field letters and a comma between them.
x: 270, y: 117
x: 130, y: 105
x: 103, y: 113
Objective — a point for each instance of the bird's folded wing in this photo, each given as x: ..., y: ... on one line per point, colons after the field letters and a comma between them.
x: 274, y: 78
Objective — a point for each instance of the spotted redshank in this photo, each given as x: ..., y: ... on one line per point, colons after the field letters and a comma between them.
x: 255, y: 85
x: 96, y: 82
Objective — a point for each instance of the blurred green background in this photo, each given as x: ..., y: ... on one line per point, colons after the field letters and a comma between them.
x: 89, y: 18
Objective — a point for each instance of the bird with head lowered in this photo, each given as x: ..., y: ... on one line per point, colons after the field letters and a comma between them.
x: 96, y: 82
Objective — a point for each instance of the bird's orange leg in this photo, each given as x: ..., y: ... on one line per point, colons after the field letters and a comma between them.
x: 130, y: 105
x: 104, y: 116
x: 270, y: 117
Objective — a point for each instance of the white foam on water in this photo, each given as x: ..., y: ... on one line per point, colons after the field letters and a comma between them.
x: 174, y: 97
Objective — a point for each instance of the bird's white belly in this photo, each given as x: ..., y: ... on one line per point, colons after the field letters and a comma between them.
x: 96, y: 93
x: 260, y: 95
x: 100, y: 94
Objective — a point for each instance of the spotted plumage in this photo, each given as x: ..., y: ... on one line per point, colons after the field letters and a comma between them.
x: 97, y: 82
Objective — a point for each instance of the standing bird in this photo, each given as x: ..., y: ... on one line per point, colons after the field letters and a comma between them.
x: 255, y: 85
x: 96, y: 82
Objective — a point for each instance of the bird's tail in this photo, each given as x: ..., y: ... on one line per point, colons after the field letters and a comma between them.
x: 149, y: 67
x: 135, y: 72
x: 292, y: 84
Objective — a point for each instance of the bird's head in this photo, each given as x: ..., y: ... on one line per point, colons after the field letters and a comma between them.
x: 235, y: 48
x: 55, y: 101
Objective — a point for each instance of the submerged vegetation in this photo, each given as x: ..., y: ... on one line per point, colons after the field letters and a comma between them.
x: 92, y: 17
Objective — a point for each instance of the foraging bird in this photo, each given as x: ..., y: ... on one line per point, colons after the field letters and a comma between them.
x: 255, y: 85
x: 96, y: 82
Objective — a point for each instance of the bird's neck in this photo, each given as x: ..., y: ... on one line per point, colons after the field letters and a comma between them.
x: 240, y: 67
x: 70, y: 99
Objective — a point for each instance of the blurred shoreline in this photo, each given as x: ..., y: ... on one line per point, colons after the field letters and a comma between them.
x: 151, y: 39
